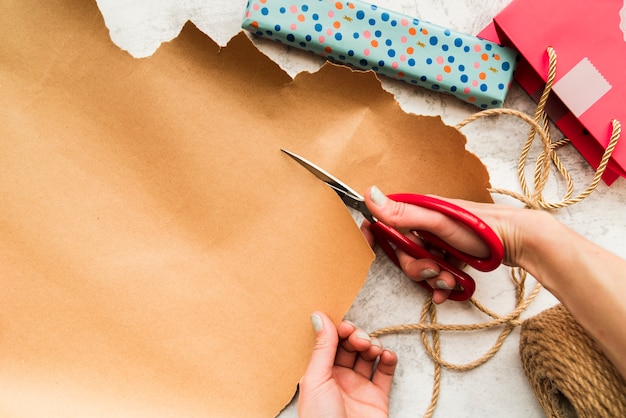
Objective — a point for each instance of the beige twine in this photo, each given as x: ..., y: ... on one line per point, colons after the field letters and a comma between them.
x: 533, y: 199
x: 569, y: 374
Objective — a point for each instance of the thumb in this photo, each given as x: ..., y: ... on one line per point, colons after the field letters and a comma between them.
x: 324, y: 351
x: 399, y: 214
x: 443, y: 220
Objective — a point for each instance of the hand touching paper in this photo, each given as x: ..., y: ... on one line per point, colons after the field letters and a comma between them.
x: 160, y: 255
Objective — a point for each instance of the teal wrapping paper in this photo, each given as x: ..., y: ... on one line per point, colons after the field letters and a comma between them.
x: 369, y: 37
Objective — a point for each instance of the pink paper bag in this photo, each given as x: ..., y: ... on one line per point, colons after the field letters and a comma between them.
x: 590, y: 86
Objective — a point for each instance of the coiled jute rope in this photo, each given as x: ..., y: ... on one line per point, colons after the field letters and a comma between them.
x: 554, y: 386
x: 567, y: 370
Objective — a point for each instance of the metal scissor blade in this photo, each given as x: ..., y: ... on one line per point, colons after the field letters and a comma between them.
x: 350, y: 197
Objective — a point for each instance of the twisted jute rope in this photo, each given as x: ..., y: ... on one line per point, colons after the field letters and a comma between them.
x: 428, y: 327
x: 569, y: 374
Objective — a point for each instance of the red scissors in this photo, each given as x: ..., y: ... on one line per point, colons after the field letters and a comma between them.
x: 389, y: 238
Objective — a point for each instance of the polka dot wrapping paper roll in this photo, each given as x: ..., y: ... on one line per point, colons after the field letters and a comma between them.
x: 369, y: 37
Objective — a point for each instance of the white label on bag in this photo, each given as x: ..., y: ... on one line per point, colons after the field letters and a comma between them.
x: 581, y: 87
x: 622, y: 20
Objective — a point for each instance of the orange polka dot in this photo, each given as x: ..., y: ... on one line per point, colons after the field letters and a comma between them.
x: 410, y: 50
x: 301, y: 18
x: 412, y: 31
x: 338, y: 5
x: 496, y: 57
x: 337, y: 24
x: 484, y: 57
x: 471, y: 99
x: 482, y: 76
x: 350, y: 5
x: 328, y: 49
x: 375, y: 43
x: 447, y: 69
x: 263, y: 1
x: 400, y: 74
x: 255, y: 24
x: 424, y: 31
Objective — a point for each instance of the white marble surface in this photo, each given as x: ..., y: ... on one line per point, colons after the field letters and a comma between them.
x: 499, y: 387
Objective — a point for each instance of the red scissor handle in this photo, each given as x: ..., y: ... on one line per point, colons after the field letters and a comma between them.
x: 389, y: 239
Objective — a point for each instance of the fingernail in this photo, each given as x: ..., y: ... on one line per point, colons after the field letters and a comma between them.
x: 363, y: 335
x: 377, y: 343
x: 443, y: 285
x: 378, y: 197
x: 316, y: 320
x: 429, y: 274
x: 390, y: 351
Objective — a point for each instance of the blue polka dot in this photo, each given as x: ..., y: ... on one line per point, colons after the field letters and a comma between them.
x: 435, y: 87
x: 411, y: 62
x: 466, y: 48
x: 433, y: 40
x: 423, y: 78
x: 461, y: 68
x: 283, y: 10
x: 308, y: 38
x: 429, y: 61
x: 265, y: 11
x: 338, y: 36
x: 315, y: 16
x: 363, y: 62
x: 360, y: 15
x: 385, y: 16
x: 277, y: 28
x: 318, y: 27
x: 291, y: 38
x: 446, y: 32
x: 356, y: 35
x: 450, y: 59
x: 374, y: 7
x: 391, y: 53
x: 388, y: 42
x: 381, y: 63
x: 488, y: 47
x: 378, y: 34
x: 372, y: 22
x: 484, y: 106
x: 501, y: 86
x: 458, y: 42
x: 464, y: 78
x: 453, y: 88
x: 351, y: 53
x: 269, y: 32
x: 506, y: 66
x: 445, y: 47
x: 495, y: 102
x: 484, y: 87
x: 394, y: 23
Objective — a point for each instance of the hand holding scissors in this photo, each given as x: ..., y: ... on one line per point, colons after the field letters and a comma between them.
x: 391, y: 239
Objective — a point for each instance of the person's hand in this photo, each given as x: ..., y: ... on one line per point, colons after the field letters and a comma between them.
x: 510, y: 224
x: 589, y: 280
x: 343, y: 378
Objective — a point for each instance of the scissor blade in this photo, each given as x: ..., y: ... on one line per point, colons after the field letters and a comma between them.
x: 350, y: 197
x: 322, y: 174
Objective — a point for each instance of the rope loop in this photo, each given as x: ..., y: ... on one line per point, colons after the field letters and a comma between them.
x: 533, y: 199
